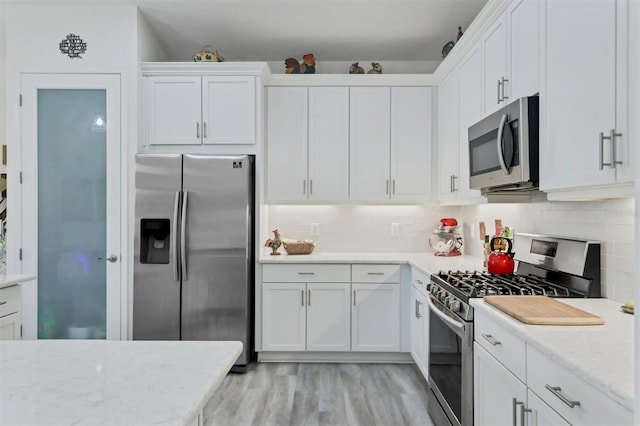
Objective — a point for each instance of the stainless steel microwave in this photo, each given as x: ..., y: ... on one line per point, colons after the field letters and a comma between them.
x: 504, y: 149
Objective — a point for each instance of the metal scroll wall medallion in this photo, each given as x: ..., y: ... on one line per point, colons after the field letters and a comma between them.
x: 73, y: 46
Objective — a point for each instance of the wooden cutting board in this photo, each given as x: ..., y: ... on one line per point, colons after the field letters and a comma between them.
x: 542, y: 310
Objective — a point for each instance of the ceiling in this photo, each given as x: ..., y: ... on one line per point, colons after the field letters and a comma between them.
x: 333, y: 30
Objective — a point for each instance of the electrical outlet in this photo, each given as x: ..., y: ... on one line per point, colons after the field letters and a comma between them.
x: 315, y: 229
x: 395, y: 229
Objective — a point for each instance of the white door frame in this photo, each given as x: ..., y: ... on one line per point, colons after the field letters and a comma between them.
x: 116, y: 244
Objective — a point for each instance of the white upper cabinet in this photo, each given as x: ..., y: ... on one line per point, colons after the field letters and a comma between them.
x: 286, y: 165
x: 448, y: 134
x: 494, y: 48
x: 470, y: 112
x: 307, y: 143
x: 328, y: 143
x: 173, y: 110
x: 370, y: 143
x: 229, y: 110
x: 194, y: 110
x: 584, y: 141
x: 511, y: 55
x: 411, y: 143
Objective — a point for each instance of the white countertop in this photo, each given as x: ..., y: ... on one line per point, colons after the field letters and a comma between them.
x: 7, y: 280
x: 426, y: 262
x: 98, y: 382
x: 602, y: 355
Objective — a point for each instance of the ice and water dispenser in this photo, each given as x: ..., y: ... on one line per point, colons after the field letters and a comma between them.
x: 155, y: 240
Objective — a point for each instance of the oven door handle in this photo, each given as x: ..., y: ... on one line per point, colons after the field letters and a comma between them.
x: 457, y: 326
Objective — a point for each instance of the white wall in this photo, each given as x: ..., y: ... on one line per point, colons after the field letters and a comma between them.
x: 350, y: 228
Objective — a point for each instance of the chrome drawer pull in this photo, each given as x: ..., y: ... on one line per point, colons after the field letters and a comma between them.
x: 3, y: 303
x: 489, y: 338
x: 556, y: 391
x: 375, y: 273
x: 306, y: 273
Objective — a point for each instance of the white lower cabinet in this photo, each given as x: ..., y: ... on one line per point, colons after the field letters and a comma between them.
x: 516, y: 384
x: 10, y: 317
x: 419, y: 322
x: 498, y: 394
x: 315, y: 308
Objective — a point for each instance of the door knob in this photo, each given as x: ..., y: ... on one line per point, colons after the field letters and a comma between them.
x: 112, y: 258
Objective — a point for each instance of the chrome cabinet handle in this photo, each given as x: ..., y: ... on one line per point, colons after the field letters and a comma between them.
x: 504, y: 80
x: 523, y: 412
x: 489, y: 338
x: 198, y: 130
x: 304, y: 187
x: 308, y: 297
x: 455, y: 189
x: 354, y: 298
x: 419, y: 315
x: 204, y: 129
x: 375, y: 273
x: 310, y: 187
x: 612, y: 149
x: 416, y: 308
x: 499, y: 84
x: 556, y: 390
x: 302, y: 295
x: 306, y: 273
x: 387, y: 190
x: 514, y: 410
x: 3, y: 303
x: 393, y: 187
x: 450, y: 183
x: 112, y: 258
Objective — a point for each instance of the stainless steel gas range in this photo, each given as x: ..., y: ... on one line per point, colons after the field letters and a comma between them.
x: 546, y: 265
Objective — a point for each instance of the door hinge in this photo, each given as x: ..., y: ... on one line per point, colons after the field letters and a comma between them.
x: 20, y: 254
x: 21, y: 100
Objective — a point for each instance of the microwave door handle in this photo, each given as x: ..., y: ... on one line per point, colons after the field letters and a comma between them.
x: 503, y: 166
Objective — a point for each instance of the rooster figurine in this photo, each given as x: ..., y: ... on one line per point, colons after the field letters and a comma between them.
x: 275, y: 243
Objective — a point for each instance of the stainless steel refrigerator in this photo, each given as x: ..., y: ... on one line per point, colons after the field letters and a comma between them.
x: 194, y: 252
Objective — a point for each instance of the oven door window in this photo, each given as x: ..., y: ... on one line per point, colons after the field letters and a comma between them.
x: 445, y: 363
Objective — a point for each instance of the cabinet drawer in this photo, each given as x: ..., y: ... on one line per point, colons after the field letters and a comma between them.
x: 375, y: 273
x: 501, y: 343
x: 309, y: 273
x: 594, y: 408
x: 420, y: 279
x: 9, y: 300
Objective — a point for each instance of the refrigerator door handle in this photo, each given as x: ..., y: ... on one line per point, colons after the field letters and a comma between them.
x: 174, y: 239
x: 183, y: 236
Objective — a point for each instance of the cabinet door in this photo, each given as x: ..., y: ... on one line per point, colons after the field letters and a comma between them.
x: 448, y: 137
x: 470, y: 110
x: 541, y: 414
x: 523, y: 17
x: 369, y: 143
x: 411, y: 143
x: 494, y: 48
x: 283, y: 316
x: 494, y: 389
x: 328, y: 143
x: 578, y: 93
x: 375, y: 318
x: 229, y: 110
x: 286, y: 143
x: 173, y: 110
x: 328, y: 317
x: 419, y: 331
x: 10, y: 327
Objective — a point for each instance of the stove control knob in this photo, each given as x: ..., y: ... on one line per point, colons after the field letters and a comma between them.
x: 441, y: 296
x: 454, y: 306
x: 434, y: 290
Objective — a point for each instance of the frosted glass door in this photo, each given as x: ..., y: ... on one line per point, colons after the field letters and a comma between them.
x: 74, y: 193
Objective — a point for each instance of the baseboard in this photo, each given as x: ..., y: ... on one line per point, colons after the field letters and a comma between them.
x: 357, y: 357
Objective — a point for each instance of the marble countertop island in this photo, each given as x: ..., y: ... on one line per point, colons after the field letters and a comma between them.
x: 601, y: 355
x: 99, y: 382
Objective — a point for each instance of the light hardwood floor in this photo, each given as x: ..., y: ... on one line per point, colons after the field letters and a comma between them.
x: 321, y: 394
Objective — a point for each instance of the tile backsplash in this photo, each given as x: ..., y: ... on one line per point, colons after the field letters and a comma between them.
x: 367, y: 228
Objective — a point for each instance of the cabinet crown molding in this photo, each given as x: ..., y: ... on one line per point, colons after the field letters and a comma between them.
x: 258, y: 69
